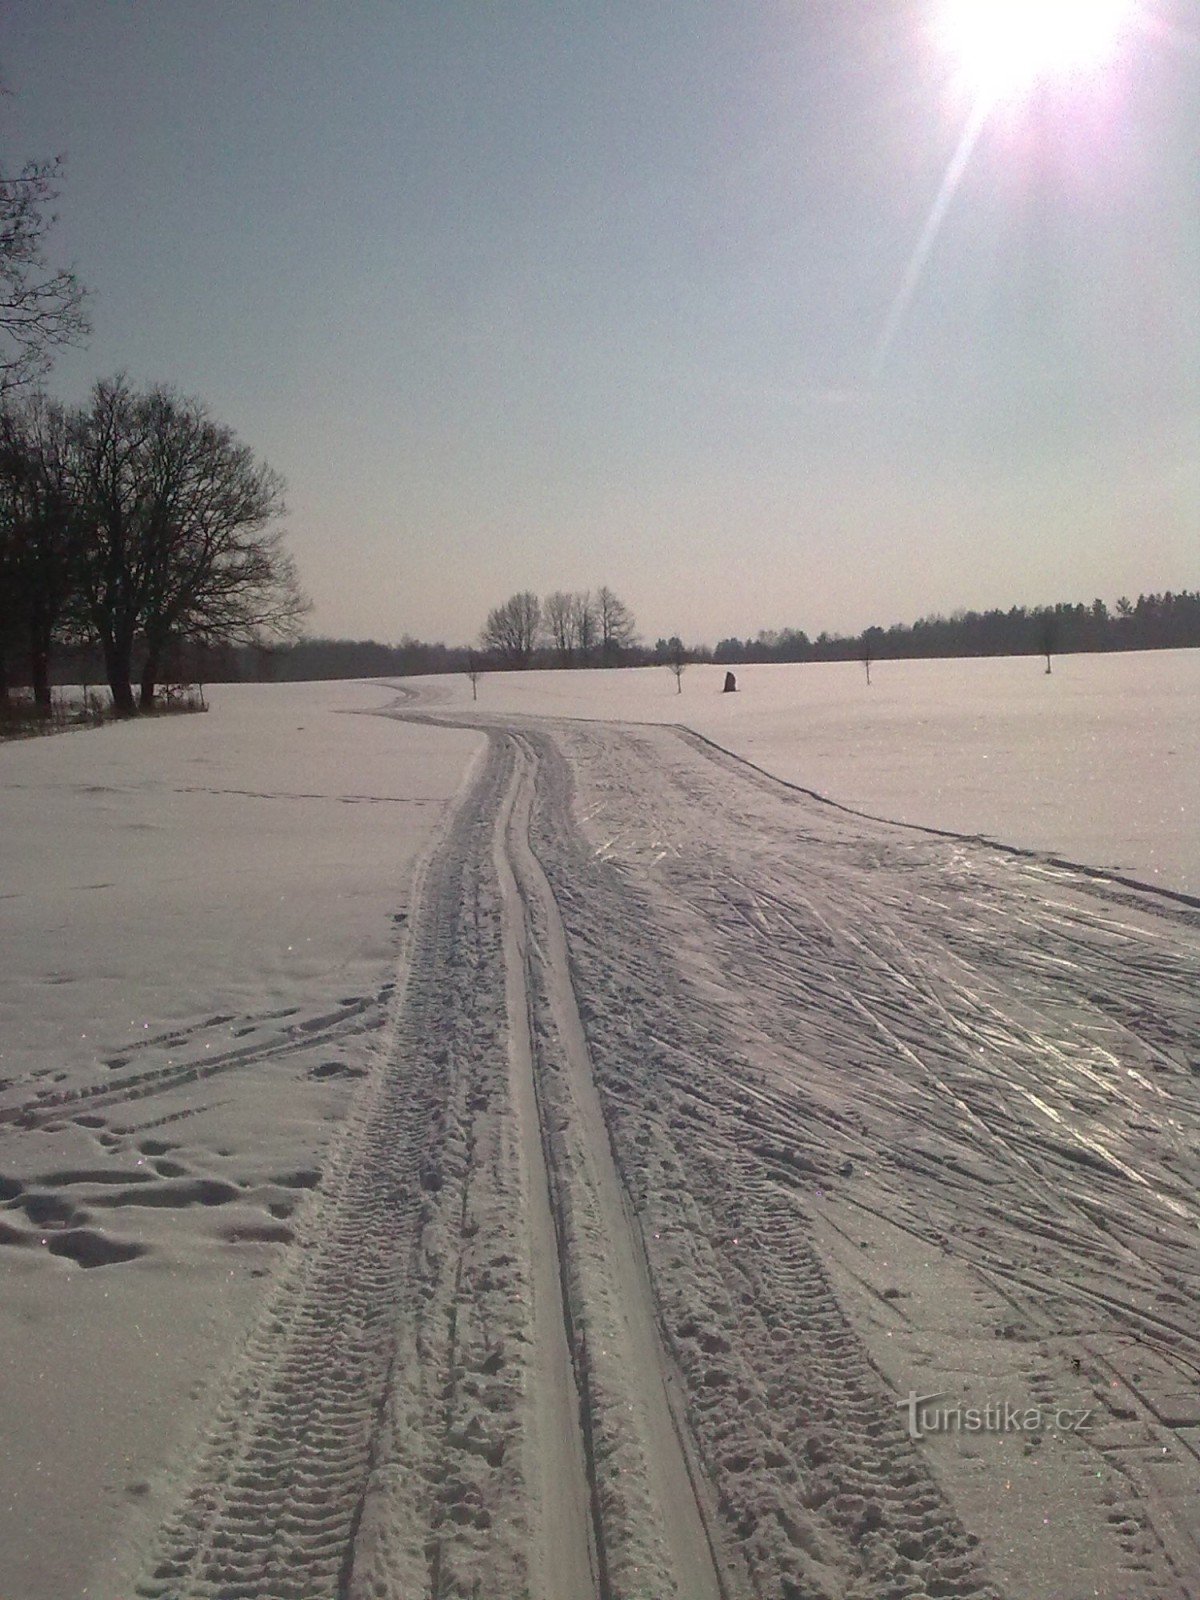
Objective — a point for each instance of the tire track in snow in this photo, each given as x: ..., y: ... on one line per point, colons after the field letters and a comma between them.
x: 570, y: 1534
x: 652, y: 1527
x: 456, y: 1387
x: 277, y: 1496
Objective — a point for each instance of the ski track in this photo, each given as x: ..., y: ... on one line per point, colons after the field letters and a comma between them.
x: 357, y: 1016
x: 563, y: 1322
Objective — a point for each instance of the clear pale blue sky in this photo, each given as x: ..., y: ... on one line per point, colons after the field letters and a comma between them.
x: 563, y: 293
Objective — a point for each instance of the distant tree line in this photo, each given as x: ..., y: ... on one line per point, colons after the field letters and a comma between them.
x: 1152, y: 622
x: 301, y: 660
x: 570, y: 630
x: 307, y: 659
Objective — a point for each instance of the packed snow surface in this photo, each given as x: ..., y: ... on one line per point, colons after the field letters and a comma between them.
x: 537, y: 1147
x: 1098, y: 762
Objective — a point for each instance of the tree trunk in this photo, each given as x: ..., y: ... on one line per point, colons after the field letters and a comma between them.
x: 39, y: 675
x: 41, y: 633
x: 149, y: 682
x: 119, y: 671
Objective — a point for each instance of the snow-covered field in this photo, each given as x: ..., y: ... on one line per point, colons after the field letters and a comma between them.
x: 201, y: 918
x: 520, y: 1149
x: 1099, y: 762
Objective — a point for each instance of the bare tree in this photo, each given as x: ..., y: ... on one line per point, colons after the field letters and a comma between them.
x: 677, y: 660
x: 39, y: 532
x: 474, y: 672
x: 179, y: 525
x: 41, y: 306
x: 513, y: 629
x: 583, y: 625
x: 108, y: 447
x: 868, y: 648
x: 216, y: 567
x: 615, y: 625
x: 1047, y: 636
x: 558, y: 613
x: 10, y: 596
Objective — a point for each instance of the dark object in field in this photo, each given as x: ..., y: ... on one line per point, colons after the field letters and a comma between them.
x: 730, y: 684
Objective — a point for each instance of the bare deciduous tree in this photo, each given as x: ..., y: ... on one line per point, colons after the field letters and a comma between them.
x: 474, y: 672
x: 558, y: 611
x: 179, y: 531
x: 583, y: 625
x: 677, y: 660
x: 39, y: 543
x: 868, y: 648
x: 615, y: 625
x: 1047, y: 636
x: 41, y: 306
x: 513, y: 629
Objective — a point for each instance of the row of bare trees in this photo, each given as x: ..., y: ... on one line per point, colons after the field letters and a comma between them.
x: 135, y: 523
x: 579, y: 629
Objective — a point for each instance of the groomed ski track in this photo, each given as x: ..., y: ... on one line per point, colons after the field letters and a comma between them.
x: 690, y: 1090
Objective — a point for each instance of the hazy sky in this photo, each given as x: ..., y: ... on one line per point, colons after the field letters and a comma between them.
x: 555, y: 294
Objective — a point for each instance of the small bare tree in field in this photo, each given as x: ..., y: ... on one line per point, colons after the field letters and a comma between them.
x: 677, y: 661
x: 474, y: 672
x: 1048, y: 637
x: 868, y: 649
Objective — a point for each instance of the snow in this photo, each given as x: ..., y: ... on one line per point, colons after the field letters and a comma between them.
x: 1098, y: 763
x: 225, y: 888
x: 204, y: 861
x: 526, y: 1149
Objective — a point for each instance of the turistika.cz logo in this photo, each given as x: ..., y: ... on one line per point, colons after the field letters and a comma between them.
x: 926, y: 1415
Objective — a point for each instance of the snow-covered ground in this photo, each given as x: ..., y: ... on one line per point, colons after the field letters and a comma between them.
x: 520, y: 1149
x: 1099, y: 762
x: 201, y: 917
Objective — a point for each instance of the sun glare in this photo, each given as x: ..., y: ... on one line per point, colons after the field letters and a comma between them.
x: 1005, y: 47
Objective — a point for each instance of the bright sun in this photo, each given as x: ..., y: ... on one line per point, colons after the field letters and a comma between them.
x: 1005, y: 47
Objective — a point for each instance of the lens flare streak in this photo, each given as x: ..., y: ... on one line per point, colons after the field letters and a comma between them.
x: 1003, y: 48
x: 919, y: 259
